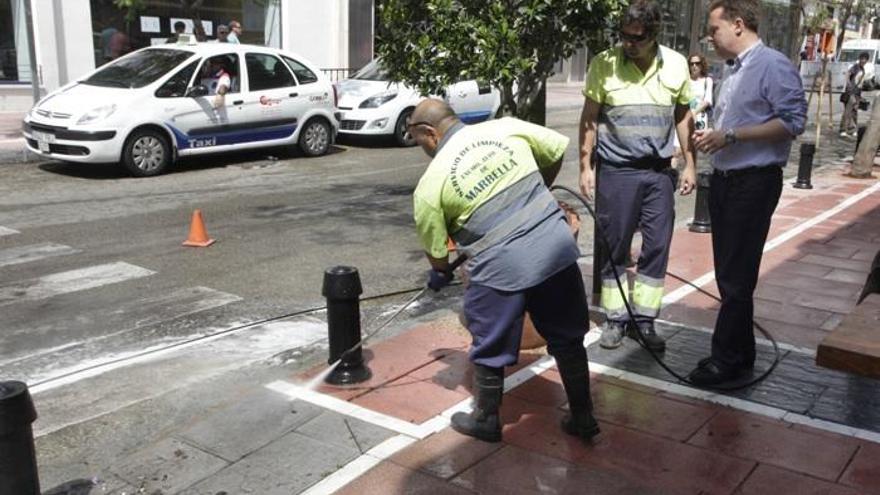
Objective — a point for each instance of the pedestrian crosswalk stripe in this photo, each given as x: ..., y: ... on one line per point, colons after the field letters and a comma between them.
x: 6, y: 231
x: 70, y: 281
x: 34, y: 252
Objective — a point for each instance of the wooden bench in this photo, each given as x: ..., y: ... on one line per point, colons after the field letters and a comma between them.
x: 854, y: 346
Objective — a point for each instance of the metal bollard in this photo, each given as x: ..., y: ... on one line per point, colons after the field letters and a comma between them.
x: 18, y: 460
x: 805, y: 166
x: 702, y: 223
x: 342, y: 288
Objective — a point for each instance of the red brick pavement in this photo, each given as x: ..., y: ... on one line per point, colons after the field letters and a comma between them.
x: 652, y: 441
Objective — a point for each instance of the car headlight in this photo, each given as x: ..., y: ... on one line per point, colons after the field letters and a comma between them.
x: 97, y: 114
x: 378, y: 100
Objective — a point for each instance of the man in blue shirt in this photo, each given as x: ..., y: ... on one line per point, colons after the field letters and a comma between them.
x: 761, y: 109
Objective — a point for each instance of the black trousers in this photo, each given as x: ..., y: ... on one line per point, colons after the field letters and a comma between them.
x: 741, y: 205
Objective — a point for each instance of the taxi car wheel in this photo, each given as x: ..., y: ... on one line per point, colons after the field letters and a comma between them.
x: 146, y: 153
x: 401, y: 135
x: 314, y: 140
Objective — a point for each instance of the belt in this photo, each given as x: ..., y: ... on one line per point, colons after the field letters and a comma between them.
x: 747, y: 170
x: 644, y: 164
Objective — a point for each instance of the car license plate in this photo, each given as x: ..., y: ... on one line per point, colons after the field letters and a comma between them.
x: 43, y: 136
x: 44, y: 139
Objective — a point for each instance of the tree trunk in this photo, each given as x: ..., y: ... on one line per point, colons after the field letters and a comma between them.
x: 847, y: 12
x: 536, y: 113
x: 864, y: 159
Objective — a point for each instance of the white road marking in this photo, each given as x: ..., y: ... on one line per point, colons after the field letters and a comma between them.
x: 144, y: 312
x: 7, y: 231
x: 687, y: 290
x: 260, y: 341
x: 70, y: 281
x: 34, y: 252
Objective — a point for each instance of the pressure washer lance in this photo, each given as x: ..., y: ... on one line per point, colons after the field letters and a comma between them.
x: 623, y: 293
x: 451, y: 268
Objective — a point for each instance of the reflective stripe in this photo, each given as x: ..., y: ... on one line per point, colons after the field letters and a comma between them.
x: 631, y: 132
x: 518, y: 206
x: 513, y: 222
x: 647, y: 295
x: 612, y: 300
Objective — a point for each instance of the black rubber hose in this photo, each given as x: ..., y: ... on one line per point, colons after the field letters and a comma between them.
x: 623, y: 293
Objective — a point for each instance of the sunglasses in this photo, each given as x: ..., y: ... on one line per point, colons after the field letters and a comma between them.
x: 694, y: 63
x: 632, y: 38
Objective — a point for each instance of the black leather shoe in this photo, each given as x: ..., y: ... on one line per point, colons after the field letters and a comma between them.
x: 708, y: 373
x: 648, y: 335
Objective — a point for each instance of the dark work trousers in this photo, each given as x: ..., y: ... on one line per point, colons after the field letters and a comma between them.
x: 558, y: 307
x: 631, y: 198
x: 740, y: 208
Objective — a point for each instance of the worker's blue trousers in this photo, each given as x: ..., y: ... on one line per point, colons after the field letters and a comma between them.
x: 558, y: 308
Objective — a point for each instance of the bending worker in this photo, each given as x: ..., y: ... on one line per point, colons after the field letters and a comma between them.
x: 637, y: 95
x: 486, y: 187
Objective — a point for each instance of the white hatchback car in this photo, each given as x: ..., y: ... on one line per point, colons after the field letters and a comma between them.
x: 370, y: 104
x: 153, y: 105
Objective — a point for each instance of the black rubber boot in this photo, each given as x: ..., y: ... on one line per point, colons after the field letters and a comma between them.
x: 483, y: 423
x: 574, y: 369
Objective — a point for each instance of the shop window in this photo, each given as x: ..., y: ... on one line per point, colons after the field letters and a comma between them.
x: 303, y: 74
x: 117, y: 31
x: 14, y: 57
x: 267, y: 72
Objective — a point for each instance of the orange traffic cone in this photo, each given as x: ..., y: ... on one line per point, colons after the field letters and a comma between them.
x: 198, y: 236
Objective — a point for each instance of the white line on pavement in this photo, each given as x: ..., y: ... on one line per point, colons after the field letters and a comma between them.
x: 34, y: 252
x: 686, y: 290
x: 7, y: 231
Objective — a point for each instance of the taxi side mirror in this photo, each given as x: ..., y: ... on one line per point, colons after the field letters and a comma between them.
x: 196, y: 91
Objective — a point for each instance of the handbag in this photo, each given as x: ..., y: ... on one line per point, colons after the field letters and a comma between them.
x: 864, y: 104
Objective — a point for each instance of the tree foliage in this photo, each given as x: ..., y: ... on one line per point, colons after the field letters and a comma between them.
x: 430, y: 44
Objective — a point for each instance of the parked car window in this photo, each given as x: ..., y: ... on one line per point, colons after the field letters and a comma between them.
x: 373, y: 71
x: 229, y: 62
x: 267, y: 72
x: 303, y: 74
x: 138, y: 69
x: 175, y: 87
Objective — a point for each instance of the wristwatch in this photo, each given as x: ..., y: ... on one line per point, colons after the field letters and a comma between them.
x: 729, y: 137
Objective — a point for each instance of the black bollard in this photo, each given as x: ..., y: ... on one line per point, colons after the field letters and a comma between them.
x: 342, y: 288
x: 702, y: 223
x: 18, y: 460
x: 805, y: 166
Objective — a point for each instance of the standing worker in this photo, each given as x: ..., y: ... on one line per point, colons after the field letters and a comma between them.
x: 761, y: 109
x: 637, y: 96
x: 486, y: 187
x: 851, y: 96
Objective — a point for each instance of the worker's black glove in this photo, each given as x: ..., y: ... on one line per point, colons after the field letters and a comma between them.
x: 439, y: 279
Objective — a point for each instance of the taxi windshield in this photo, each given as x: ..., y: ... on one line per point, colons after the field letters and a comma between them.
x: 372, y: 72
x: 138, y: 69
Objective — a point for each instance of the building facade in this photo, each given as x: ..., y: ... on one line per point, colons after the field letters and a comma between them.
x: 73, y: 37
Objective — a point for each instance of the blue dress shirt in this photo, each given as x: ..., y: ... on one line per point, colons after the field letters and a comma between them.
x: 762, y: 85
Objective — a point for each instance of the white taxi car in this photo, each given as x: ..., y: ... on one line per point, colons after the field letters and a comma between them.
x: 370, y: 104
x: 149, y: 107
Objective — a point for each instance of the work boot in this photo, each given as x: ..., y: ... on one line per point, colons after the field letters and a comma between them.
x: 575, y: 371
x: 645, y: 330
x: 612, y: 334
x: 483, y: 422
